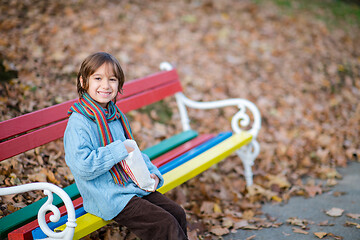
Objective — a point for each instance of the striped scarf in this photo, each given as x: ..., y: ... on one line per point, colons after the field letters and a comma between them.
x: 92, y: 110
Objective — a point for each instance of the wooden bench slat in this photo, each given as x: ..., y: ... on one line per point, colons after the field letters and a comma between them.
x: 149, y: 96
x: 32, y: 140
x: 34, y: 120
x: 29, y: 213
x: 86, y: 224
x: 166, y: 157
x: 204, y: 161
x: 40, y: 118
x: 55, y: 131
x: 136, y: 86
x: 194, y: 152
x: 89, y: 223
x: 170, y: 143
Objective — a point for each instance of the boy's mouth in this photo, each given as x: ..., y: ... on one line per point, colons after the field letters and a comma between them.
x: 105, y: 94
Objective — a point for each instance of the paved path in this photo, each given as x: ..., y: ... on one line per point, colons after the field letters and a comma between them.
x: 313, y: 210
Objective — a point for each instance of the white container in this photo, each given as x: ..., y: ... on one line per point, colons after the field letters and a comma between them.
x: 136, y: 168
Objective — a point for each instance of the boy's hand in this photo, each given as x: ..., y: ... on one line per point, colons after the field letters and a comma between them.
x: 129, y: 149
x: 157, y: 180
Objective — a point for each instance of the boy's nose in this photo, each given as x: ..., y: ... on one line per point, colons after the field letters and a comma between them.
x: 105, y: 84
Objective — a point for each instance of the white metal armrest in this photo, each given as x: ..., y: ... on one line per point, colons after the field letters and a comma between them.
x: 241, y: 117
x: 49, y: 189
x: 240, y: 120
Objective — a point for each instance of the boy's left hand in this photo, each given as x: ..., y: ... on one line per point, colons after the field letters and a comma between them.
x: 157, y: 180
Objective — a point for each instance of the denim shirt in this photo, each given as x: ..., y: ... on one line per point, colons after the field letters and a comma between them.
x: 90, y: 164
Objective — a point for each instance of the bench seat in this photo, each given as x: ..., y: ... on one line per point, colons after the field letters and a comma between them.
x: 29, y: 213
x: 160, y: 161
x: 89, y: 223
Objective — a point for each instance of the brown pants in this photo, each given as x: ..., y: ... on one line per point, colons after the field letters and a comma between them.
x: 154, y: 217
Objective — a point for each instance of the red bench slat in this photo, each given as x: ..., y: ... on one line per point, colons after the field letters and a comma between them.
x: 32, y: 140
x: 30, y: 121
x: 55, y: 131
x: 167, y: 157
x: 148, y: 97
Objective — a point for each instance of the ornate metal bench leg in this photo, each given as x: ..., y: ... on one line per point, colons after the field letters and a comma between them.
x: 49, y: 189
x: 248, y: 155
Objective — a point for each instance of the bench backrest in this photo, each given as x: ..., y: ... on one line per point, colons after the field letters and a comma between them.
x: 32, y: 130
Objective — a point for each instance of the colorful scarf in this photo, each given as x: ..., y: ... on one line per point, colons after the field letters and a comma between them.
x: 92, y: 110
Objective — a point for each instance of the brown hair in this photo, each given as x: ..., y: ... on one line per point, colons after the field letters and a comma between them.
x: 91, y: 64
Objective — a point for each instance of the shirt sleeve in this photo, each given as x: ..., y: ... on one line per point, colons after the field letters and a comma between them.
x: 86, y: 160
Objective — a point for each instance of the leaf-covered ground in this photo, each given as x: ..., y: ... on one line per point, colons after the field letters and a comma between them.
x: 302, y: 73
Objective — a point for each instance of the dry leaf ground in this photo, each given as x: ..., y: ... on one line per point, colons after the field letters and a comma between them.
x: 302, y: 74
x: 310, y: 219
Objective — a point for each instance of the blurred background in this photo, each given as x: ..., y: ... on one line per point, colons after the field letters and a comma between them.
x: 298, y: 61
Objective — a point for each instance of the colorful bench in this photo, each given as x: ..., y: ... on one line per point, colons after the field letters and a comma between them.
x: 180, y: 157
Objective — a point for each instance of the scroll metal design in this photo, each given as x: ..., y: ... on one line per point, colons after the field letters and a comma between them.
x: 49, y: 189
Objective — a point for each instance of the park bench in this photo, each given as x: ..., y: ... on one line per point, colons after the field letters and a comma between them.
x: 179, y: 158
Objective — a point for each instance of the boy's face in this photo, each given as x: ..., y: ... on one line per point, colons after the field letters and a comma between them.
x: 103, y: 85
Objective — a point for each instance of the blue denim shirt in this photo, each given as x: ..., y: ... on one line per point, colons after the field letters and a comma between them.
x: 90, y: 164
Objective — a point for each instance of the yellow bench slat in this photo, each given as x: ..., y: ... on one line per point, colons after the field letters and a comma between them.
x: 89, y: 223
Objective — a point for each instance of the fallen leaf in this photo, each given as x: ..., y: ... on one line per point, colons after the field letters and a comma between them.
x: 276, y: 198
x: 279, y: 180
x: 299, y: 230
x: 227, y: 223
x: 192, y: 235
x: 320, y: 234
x: 217, y: 208
x: 334, y: 236
x: 338, y: 194
x: 335, y: 212
x: 207, y: 207
x: 331, y: 182
x: 326, y: 223
x: 349, y: 224
x: 240, y: 224
x: 297, y: 222
x: 248, y: 214
x: 37, y: 177
x: 313, y: 190
x: 250, y: 227
x: 219, y: 231
x: 353, y: 215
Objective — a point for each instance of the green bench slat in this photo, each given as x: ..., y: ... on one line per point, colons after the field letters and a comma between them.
x: 170, y: 143
x: 29, y: 213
